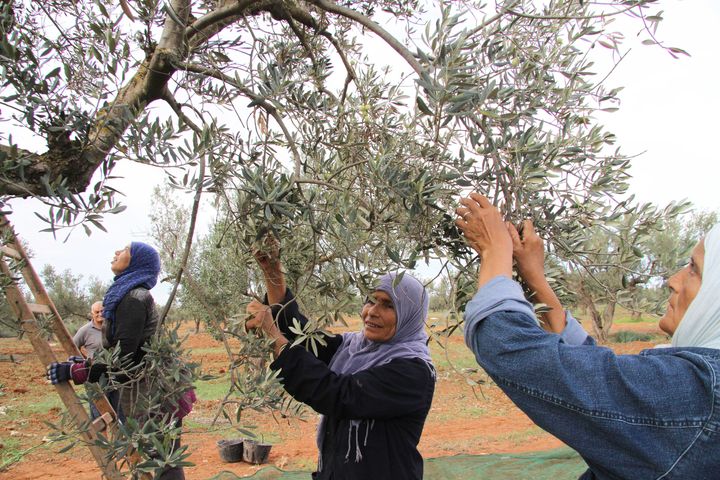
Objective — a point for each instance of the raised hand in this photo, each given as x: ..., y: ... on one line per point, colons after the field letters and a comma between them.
x: 486, y: 232
x: 267, y: 253
x: 529, y: 252
x: 262, y: 318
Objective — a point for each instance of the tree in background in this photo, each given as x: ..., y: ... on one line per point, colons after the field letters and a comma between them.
x: 626, y: 262
x: 72, y: 297
x: 669, y: 250
x: 440, y: 293
x: 67, y: 293
x: 96, y: 289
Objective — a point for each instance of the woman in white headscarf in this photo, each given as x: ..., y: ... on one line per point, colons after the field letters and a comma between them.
x: 655, y: 415
x: 696, y: 289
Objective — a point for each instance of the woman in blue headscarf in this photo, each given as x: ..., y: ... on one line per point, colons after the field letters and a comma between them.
x: 131, y: 319
x: 130, y: 314
x: 373, y: 388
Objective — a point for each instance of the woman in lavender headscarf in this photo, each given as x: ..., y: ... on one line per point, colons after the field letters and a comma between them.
x: 373, y: 388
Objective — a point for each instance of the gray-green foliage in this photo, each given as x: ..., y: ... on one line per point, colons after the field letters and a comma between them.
x: 616, y: 261
x: 150, y: 428
x: 70, y: 297
x: 304, y: 131
x: 626, y: 261
x: 668, y: 250
x: 671, y: 247
x: 440, y: 293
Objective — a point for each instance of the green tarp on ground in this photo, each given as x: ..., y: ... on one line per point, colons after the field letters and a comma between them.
x: 561, y: 464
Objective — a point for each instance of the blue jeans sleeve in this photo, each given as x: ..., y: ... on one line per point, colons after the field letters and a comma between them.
x: 606, y: 406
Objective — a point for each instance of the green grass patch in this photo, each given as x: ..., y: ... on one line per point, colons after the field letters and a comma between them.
x: 203, y: 351
x: 628, y: 336
x: 453, y: 363
x: 214, y: 389
x: 22, y: 410
x: 521, y: 436
x: 12, y: 452
x: 464, y: 410
x: 628, y: 318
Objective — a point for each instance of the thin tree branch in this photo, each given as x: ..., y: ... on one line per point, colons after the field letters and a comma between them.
x: 170, y: 100
x: 572, y: 17
x: 493, y: 19
x: 257, y: 99
x: 350, y: 71
x: 188, y: 240
x: 373, y: 27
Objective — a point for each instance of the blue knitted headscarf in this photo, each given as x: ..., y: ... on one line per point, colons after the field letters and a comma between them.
x: 143, y: 271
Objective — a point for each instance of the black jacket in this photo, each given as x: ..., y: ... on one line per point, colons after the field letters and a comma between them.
x: 389, y: 403
x: 135, y: 322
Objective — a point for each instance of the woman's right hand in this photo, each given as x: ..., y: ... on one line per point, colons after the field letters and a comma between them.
x: 485, y: 231
x: 267, y: 254
x: 261, y: 317
x: 529, y: 252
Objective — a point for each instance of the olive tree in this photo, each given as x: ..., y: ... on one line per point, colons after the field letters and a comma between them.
x: 69, y: 297
x: 617, y: 261
x: 345, y: 129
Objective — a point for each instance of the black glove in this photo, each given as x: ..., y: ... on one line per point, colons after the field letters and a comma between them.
x: 76, y: 369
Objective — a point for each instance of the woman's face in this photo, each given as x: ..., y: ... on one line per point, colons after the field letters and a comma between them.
x: 379, y: 318
x: 120, y: 261
x: 684, y: 286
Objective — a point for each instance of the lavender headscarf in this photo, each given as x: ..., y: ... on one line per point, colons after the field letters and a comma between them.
x: 410, y: 340
x: 357, y: 353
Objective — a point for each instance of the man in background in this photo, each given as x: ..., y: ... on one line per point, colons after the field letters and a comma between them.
x: 88, y: 338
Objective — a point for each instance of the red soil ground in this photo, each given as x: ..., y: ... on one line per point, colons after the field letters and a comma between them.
x: 461, y: 421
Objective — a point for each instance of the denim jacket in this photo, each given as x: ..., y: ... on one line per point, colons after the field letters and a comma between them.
x: 655, y: 415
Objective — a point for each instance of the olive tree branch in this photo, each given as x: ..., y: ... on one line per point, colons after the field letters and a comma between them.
x: 574, y: 17
x: 188, y: 240
x: 257, y: 99
x: 493, y: 19
x: 226, y: 14
x: 170, y: 100
x: 373, y: 27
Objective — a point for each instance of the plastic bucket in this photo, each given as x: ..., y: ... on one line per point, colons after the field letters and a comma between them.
x: 254, y: 452
x: 231, y: 450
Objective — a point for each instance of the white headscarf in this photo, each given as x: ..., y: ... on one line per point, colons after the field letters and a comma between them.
x: 700, y: 327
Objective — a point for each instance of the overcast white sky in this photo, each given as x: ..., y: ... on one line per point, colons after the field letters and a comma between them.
x: 668, y: 111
